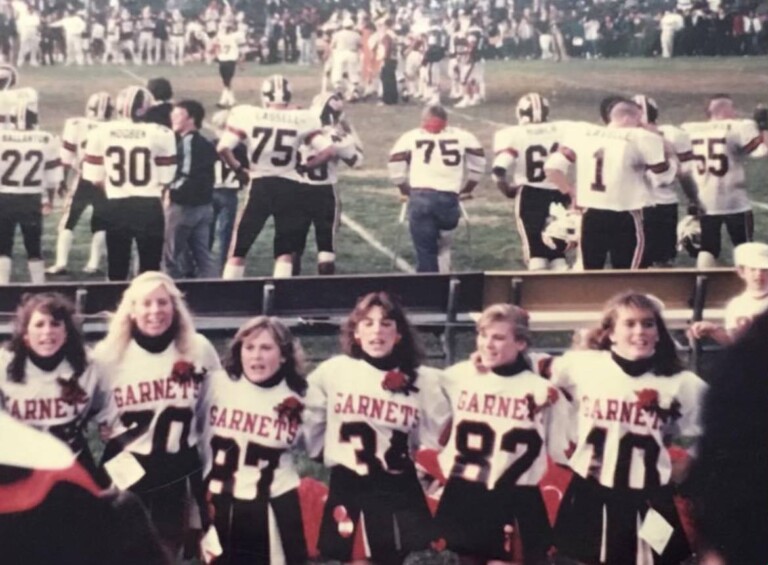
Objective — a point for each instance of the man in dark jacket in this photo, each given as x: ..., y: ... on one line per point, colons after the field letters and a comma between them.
x: 160, y: 112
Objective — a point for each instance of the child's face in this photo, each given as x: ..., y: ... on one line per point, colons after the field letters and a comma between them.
x: 755, y: 280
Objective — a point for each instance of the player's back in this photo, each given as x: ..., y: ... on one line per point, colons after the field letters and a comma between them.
x: 347, y: 40
x: 73, y: 139
x: 130, y: 158
x: 528, y: 146
x: 29, y: 161
x: 719, y: 149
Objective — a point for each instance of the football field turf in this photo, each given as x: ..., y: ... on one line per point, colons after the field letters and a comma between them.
x: 369, y: 235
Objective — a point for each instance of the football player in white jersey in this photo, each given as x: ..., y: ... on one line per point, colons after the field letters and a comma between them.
x: 366, y: 412
x: 273, y: 134
x: 46, y: 379
x: 227, y: 47
x: 346, y: 47
x: 626, y: 398
x: 98, y: 109
x: 472, y: 66
x: 127, y: 44
x: 496, y: 454
x: 30, y: 172
x: 434, y: 166
x: 660, y: 219
x: 522, y: 150
x: 176, y: 42
x: 146, y: 25
x: 154, y: 365
x: 435, y: 50
x: 615, y: 167
x: 133, y: 161
x: 720, y: 147
x: 251, y: 416
x: 320, y: 199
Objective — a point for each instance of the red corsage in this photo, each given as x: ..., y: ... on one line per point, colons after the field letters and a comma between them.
x: 398, y: 382
x: 534, y: 408
x: 648, y: 400
x: 184, y: 372
x: 71, y: 391
x: 290, y: 409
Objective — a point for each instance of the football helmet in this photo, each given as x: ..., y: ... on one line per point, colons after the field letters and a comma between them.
x: 329, y: 106
x: 9, y: 76
x: 133, y: 102
x: 275, y: 90
x: 532, y: 108
x: 99, y: 106
x: 689, y: 235
x: 219, y: 121
x: 648, y: 106
x: 562, y: 225
x: 26, y: 114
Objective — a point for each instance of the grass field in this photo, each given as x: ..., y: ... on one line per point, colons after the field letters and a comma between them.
x: 369, y: 200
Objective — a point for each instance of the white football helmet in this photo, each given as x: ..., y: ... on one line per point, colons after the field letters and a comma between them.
x: 648, y: 106
x: 562, y: 225
x: 219, y: 121
x: 100, y: 106
x: 9, y: 76
x: 275, y: 90
x: 133, y: 102
x: 689, y: 235
x: 532, y: 108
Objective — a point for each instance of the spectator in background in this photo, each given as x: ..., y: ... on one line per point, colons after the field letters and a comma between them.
x: 671, y: 23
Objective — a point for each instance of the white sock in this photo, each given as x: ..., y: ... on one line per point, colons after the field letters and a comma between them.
x: 538, y: 264
x: 5, y: 270
x: 444, y: 252
x: 232, y: 272
x: 63, y: 246
x: 98, y: 249
x: 558, y: 265
x: 705, y: 260
x: 36, y: 271
x: 283, y: 270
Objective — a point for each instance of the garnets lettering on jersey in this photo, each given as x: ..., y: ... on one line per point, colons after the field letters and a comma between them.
x: 515, y: 408
x: 388, y: 411
x: 627, y: 412
x: 151, y: 391
x: 280, y: 429
x: 41, y: 408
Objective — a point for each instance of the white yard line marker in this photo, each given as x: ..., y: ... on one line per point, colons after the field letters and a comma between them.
x: 760, y: 205
x: 134, y: 76
x: 476, y: 118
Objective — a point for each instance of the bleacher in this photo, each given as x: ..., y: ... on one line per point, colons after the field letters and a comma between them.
x: 440, y: 304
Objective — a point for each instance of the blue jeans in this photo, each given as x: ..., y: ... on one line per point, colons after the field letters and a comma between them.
x: 187, y: 232
x: 430, y: 212
x: 224, y: 213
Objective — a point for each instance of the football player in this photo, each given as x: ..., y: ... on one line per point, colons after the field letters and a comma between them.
x: 436, y: 46
x: 720, y: 147
x: 146, y: 25
x: 98, y: 109
x: 434, y: 166
x: 346, y: 46
x: 660, y: 220
x: 227, y: 48
x: 625, y: 400
x: 615, y: 167
x: 127, y: 44
x: 31, y: 171
x: 522, y: 150
x: 176, y: 42
x: 472, y: 66
x: 496, y: 455
x: 133, y: 161
x: 273, y: 135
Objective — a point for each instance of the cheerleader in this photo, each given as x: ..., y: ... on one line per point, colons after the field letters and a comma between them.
x: 251, y: 412
x: 496, y: 453
x: 625, y: 399
x: 46, y: 379
x: 366, y: 412
x: 155, y: 364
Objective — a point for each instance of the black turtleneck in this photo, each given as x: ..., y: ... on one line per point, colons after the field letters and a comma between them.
x: 386, y: 363
x: 634, y: 368
x: 519, y: 365
x: 272, y: 381
x: 46, y: 364
x: 154, y: 344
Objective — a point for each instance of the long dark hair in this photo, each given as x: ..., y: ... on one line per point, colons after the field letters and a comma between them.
x: 406, y: 350
x: 293, y: 366
x: 666, y: 360
x: 60, y: 309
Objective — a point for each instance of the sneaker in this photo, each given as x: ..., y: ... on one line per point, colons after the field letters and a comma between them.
x: 90, y: 270
x: 56, y: 270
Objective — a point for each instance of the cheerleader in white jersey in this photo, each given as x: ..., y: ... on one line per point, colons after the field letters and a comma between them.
x: 251, y: 415
x: 154, y: 364
x: 367, y: 410
x: 46, y: 379
x: 625, y: 399
x: 496, y: 454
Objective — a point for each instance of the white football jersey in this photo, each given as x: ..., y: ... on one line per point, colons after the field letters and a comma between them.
x: 273, y: 138
x: 130, y: 158
x: 228, y: 46
x: 29, y: 162
x: 523, y: 149
x: 38, y: 400
x: 680, y: 143
x: 719, y: 150
x: 354, y: 422
x: 346, y: 40
x: 742, y: 309
x: 73, y: 140
x: 148, y: 412
x: 498, y: 430
x: 615, y: 167
x: 438, y: 161
x: 349, y: 150
x: 244, y: 443
x: 618, y: 427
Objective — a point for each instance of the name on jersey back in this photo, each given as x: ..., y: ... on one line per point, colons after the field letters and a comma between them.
x: 128, y: 133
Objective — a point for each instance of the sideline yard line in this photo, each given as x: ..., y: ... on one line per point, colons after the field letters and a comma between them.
x: 356, y: 227
x: 760, y: 205
x: 476, y: 118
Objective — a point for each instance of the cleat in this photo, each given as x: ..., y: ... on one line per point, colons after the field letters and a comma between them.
x: 56, y: 270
